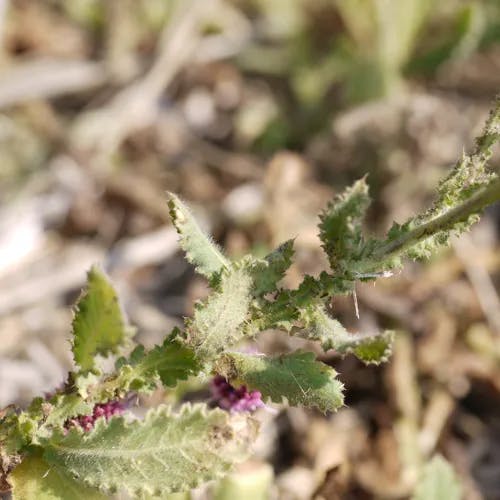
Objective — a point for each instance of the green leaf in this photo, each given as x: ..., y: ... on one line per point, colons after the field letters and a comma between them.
x: 341, y: 225
x: 64, y: 406
x: 164, y: 453
x: 99, y: 324
x: 85, y: 382
x: 142, y: 371
x: 438, y: 481
x: 35, y: 479
x: 331, y: 334
x: 286, y: 310
x: 374, y: 349
x: 169, y: 362
x: 462, y: 195
x: 17, y: 430
x: 200, y: 249
x: 267, y: 272
x: 296, y: 377
x: 219, y: 322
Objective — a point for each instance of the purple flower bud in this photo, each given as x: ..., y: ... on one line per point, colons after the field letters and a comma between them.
x: 106, y: 410
x: 234, y: 399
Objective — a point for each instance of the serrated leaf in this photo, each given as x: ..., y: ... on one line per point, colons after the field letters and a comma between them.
x: 64, y: 406
x: 288, y: 306
x: 84, y: 382
x: 438, y: 481
x: 142, y: 371
x: 17, y: 430
x: 11, y: 437
x: 298, y: 377
x: 169, y: 362
x: 219, y: 322
x: 374, y: 349
x: 164, y: 453
x: 200, y: 250
x: 267, y: 272
x: 35, y: 479
x: 419, y: 249
x: 462, y: 195
x: 470, y: 172
x: 341, y: 225
x: 99, y: 324
x: 319, y: 326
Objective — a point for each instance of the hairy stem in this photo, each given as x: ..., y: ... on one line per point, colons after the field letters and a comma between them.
x: 479, y: 200
x: 437, y: 219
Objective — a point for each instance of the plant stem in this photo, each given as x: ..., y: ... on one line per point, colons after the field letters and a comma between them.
x: 479, y: 200
x: 466, y: 168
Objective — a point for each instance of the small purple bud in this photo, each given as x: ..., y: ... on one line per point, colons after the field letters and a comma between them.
x: 234, y: 399
x: 106, y: 410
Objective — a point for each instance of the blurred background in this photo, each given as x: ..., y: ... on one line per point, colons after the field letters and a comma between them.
x: 256, y: 112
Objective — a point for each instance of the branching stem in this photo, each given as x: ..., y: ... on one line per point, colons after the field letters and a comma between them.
x: 479, y: 200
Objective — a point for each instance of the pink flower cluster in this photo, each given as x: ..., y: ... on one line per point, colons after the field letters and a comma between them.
x: 234, y: 399
x: 106, y: 410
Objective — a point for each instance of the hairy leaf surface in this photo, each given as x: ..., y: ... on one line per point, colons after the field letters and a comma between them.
x: 200, y: 249
x: 462, y: 195
x: 331, y: 334
x: 298, y: 377
x: 65, y: 406
x: 99, y: 324
x: 168, y: 363
x: 164, y: 453
x: 218, y: 323
x: 341, y: 225
x: 142, y: 371
x: 35, y: 479
x: 267, y: 272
